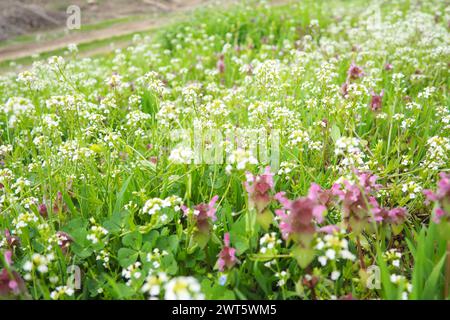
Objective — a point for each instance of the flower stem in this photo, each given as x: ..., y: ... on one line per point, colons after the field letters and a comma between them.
x: 360, y: 254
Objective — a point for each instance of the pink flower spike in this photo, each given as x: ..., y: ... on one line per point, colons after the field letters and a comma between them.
x: 314, y: 191
x: 226, y: 239
x: 376, y: 101
x: 397, y: 215
x: 259, y: 190
x: 227, y: 256
x: 12, y: 241
x: 330, y: 229
x: 318, y: 195
x: 318, y: 213
x: 354, y: 72
x: 441, y: 197
x: 282, y: 199
x: 337, y: 191
x: 212, y: 210
x: 438, y: 214
x: 221, y: 64
x: 13, y: 285
x: 388, y: 67
x: 299, y: 223
x: 8, y: 257
x: 185, y: 209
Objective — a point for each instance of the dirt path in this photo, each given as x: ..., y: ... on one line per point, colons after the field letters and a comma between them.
x: 174, y: 10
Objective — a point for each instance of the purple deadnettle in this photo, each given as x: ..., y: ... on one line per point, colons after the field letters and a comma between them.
x: 227, y: 256
x: 203, y: 215
x: 344, y: 89
x: 64, y: 241
x: 355, y: 205
x: 298, y: 217
x: 329, y: 229
x: 360, y: 208
x: 11, y: 283
x: 397, y: 215
x: 368, y: 181
x: 354, y: 72
x: 8, y: 257
x: 442, y: 198
x: 43, y: 210
x: 59, y: 204
x: 259, y: 188
x: 394, y: 216
x: 376, y: 101
x: 12, y: 241
x: 321, y: 197
x: 221, y: 64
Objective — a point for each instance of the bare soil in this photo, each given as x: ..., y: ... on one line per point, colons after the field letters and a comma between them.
x: 18, y: 17
x: 32, y: 16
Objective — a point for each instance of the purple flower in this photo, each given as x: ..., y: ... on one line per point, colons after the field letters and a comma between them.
x: 361, y: 208
x: 355, y: 202
x: 221, y: 64
x: 64, y: 241
x: 204, y: 213
x: 298, y: 217
x: 329, y: 229
x: 347, y: 297
x: 397, y: 215
x: 354, y: 72
x: 321, y: 197
x: 11, y: 284
x: 258, y: 188
x: 376, y: 101
x: 12, y: 241
x: 8, y: 257
x: 344, y: 89
x: 59, y: 204
x: 43, y: 210
x: 393, y: 216
x: 227, y: 256
x: 368, y: 181
x: 441, y: 197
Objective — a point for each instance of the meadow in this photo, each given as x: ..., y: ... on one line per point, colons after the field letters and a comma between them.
x: 261, y: 151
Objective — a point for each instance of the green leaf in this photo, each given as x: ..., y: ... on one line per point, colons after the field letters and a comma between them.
x: 265, y: 219
x: 133, y: 240
x: 169, y: 264
x: 120, y: 196
x: 304, y: 256
x: 214, y: 291
x: 388, y: 289
x: 117, y: 222
x: 127, y: 257
x: 335, y: 133
x: 431, y: 289
x: 239, y: 237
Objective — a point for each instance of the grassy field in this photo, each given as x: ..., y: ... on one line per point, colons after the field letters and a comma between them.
x: 298, y: 151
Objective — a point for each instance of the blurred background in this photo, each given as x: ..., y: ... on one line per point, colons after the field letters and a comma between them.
x: 37, y: 29
x: 19, y: 17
